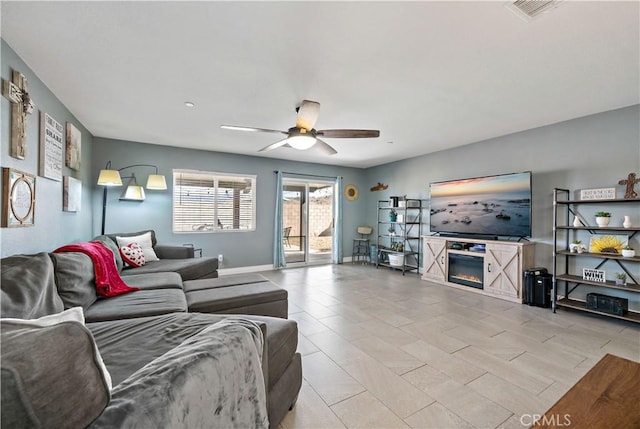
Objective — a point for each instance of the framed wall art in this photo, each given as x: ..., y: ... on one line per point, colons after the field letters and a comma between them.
x: 74, y: 146
x: 51, y: 147
x: 71, y: 194
x: 18, y: 198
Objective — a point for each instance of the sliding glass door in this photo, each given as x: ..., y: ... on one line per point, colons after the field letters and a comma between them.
x: 307, y: 221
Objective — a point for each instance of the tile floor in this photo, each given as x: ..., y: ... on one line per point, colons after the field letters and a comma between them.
x: 382, y: 350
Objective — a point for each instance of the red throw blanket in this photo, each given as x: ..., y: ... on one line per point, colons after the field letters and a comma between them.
x: 108, y: 280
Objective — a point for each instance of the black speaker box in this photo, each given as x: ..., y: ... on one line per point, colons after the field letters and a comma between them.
x: 607, y: 304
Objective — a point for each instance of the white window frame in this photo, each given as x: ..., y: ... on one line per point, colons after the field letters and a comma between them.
x: 215, y: 178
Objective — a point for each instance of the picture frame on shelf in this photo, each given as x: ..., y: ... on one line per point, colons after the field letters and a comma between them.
x: 608, y: 244
x: 18, y: 198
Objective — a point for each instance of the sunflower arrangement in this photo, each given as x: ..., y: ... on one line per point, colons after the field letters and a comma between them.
x: 606, y: 244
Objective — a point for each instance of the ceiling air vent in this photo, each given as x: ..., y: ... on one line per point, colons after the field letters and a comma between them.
x: 530, y: 9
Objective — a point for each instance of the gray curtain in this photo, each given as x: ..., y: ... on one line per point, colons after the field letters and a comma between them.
x: 278, y: 245
x: 337, y: 233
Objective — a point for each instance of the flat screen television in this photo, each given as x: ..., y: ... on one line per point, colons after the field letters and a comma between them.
x: 489, y: 206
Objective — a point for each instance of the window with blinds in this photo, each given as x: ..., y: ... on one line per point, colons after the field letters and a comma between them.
x: 213, y: 202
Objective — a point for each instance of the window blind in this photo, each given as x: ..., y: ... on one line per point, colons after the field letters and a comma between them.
x: 210, y: 202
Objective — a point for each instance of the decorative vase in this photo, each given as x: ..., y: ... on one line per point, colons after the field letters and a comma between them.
x: 628, y: 253
x: 576, y: 221
x: 627, y: 222
x: 603, y: 221
x: 393, y: 218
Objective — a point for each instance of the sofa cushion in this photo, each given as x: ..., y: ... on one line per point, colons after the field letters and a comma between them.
x: 127, y: 345
x: 221, y: 299
x: 75, y: 279
x: 144, y: 240
x: 52, y: 373
x: 28, y: 287
x: 282, y: 342
x: 111, y: 245
x: 137, y: 304
x: 224, y: 281
x: 189, y: 269
x: 213, y: 379
x: 155, y: 280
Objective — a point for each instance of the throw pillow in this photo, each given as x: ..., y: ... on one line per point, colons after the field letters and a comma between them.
x: 132, y: 255
x: 51, y: 373
x: 74, y: 314
x: 144, y: 240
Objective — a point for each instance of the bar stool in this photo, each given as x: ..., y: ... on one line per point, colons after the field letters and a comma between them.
x: 361, y: 245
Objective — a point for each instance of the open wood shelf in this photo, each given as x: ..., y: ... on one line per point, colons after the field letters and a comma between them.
x: 582, y: 306
x: 608, y: 284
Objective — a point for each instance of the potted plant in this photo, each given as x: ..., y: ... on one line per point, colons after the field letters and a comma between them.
x: 603, y: 218
x: 575, y: 244
x: 392, y: 231
x: 628, y: 251
x: 393, y: 215
x: 621, y: 279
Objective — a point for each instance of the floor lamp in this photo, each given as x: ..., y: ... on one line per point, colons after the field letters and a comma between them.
x: 111, y: 177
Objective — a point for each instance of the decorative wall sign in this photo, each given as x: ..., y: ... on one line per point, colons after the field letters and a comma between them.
x: 18, y: 198
x: 21, y: 105
x: 598, y: 194
x: 71, y: 194
x: 608, y: 244
x: 630, y: 181
x: 51, y: 147
x: 593, y: 275
x: 74, y: 143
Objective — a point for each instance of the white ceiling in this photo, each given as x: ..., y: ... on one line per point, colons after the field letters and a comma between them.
x: 428, y: 75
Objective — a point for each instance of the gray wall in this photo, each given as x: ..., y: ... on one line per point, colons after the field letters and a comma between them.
x: 240, y: 249
x: 589, y: 152
x: 53, y: 227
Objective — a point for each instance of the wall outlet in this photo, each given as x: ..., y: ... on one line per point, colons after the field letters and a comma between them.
x: 220, y: 258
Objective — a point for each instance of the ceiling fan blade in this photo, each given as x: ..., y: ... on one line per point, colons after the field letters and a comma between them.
x: 324, y: 147
x: 275, y: 145
x: 262, y: 130
x: 307, y: 114
x: 349, y: 134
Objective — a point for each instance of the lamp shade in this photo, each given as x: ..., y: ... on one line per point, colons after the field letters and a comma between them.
x: 301, y: 142
x: 157, y: 182
x: 109, y: 178
x: 133, y: 193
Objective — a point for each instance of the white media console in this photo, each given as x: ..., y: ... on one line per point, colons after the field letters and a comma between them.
x: 488, y: 267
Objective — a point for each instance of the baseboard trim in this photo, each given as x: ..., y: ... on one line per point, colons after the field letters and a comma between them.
x: 242, y: 270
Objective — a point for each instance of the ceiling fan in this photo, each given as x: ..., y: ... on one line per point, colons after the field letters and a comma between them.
x: 303, y: 136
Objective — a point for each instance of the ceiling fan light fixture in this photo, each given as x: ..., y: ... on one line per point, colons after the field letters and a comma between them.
x: 301, y: 142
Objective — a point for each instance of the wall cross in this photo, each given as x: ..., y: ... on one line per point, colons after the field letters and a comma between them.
x: 21, y: 105
x: 630, y: 181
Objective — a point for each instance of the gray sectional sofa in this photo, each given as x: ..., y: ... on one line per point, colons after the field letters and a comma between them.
x: 148, y: 326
